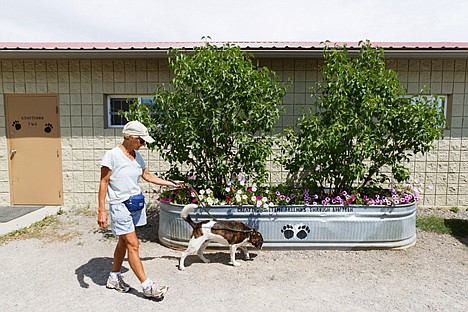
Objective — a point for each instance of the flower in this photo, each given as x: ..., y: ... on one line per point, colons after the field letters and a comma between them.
x: 239, y: 192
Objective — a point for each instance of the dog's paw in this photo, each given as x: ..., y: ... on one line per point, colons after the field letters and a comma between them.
x: 181, y: 268
x: 236, y: 264
x: 288, y: 231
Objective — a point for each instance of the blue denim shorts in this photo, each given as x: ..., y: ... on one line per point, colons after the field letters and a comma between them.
x: 124, y: 221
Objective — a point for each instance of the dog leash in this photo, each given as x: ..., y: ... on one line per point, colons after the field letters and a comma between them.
x: 204, y: 207
x: 192, y: 188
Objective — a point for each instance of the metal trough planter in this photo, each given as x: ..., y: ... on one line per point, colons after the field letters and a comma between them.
x: 302, y: 227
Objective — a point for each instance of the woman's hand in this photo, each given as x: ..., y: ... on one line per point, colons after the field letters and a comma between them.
x: 102, y: 218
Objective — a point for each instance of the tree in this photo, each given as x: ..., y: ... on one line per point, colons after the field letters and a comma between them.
x: 361, y: 125
x: 214, y: 120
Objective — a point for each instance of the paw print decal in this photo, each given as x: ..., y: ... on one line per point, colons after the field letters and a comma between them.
x: 48, y: 128
x: 301, y: 231
x: 16, y: 124
x: 288, y: 231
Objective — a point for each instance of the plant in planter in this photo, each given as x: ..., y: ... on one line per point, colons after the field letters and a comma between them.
x: 213, y: 122
x: 361, y: 129
x: 212, y: 126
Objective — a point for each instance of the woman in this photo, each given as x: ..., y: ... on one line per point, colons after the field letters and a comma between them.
x: 121, y: 169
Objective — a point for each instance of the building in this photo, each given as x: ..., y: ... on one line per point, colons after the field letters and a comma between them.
x: 60, y: 100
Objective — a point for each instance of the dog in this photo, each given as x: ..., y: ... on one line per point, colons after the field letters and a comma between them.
x: 233, y: 233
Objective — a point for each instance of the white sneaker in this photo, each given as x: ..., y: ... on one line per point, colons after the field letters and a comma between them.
x: 155, y: 291
x: 117, y: 284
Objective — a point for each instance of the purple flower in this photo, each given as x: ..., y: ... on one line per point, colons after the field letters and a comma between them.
x: 282, y: 197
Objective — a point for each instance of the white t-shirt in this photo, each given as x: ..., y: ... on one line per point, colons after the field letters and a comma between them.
x: 125, y: 175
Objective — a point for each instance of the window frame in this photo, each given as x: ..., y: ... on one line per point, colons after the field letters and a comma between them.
x: 447, y: 108
x: 109, y: 98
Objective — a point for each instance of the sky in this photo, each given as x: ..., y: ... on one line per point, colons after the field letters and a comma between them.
x: 233, y: 20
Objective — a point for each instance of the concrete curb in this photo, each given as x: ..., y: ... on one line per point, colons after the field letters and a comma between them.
x: 29, y: 219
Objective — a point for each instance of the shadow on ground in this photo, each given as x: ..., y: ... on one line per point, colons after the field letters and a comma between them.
x: 97, y: 269
x: 149, y: 232
x: 214, y: 257
x: 458, y: 228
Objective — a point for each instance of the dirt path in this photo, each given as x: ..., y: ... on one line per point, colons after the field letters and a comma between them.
x: 65, y: 269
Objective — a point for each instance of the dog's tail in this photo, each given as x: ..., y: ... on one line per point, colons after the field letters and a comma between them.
x: 184, y: 214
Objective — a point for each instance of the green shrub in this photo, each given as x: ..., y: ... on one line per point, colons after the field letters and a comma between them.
x: 361, y: 126
x: 214, y: 120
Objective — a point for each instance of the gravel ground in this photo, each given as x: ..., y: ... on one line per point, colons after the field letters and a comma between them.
x: 64, y: 267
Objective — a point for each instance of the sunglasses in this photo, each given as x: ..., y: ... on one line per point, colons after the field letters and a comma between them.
x: 142, y: 142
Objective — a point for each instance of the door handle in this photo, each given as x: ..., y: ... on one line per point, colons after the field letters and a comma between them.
x: 12, y: 152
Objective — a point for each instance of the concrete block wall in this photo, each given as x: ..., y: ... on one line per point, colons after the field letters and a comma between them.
x: 443, y: 171
x: 82, y: 86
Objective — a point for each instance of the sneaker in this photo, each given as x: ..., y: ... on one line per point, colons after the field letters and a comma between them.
x: 117, y: 284
x: 155, y: 291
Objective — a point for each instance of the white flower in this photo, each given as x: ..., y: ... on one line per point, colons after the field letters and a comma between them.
x: 244, y: 197
x: 265, y: 206
x: 259, y: 203
x: 209, y: 191
x: 253, y: 198
x: 264, y: 199
x: 227, y: 189
x: 201, y: 197
x: 209, y: 201
x: 271, y: 204
x: 239, y: 192
x: 202, y: 192
x: 238, y: 198
x: 254, y: 188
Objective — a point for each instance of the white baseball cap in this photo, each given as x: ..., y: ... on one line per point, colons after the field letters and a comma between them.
x: 136, y: 128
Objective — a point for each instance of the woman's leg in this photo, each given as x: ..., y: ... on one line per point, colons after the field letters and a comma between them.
x: 119, y: 254
x: 132, y: 245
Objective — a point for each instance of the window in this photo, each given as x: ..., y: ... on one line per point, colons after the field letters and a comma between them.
x: 116, y: 103
x: 442, y: 101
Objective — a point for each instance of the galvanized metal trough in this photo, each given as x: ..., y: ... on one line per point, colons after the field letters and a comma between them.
x: 304, y: 227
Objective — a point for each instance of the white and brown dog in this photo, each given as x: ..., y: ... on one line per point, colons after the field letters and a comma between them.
x: 233, y: 233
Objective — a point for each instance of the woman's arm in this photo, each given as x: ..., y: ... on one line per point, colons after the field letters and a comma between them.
x: 104, y: 182
x: 149, y: 177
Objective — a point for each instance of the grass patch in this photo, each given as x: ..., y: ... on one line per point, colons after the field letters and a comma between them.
x: 48, y: 228
x: 32, y: 231
x: 438, y: 225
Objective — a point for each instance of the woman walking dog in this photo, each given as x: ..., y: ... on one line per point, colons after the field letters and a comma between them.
x: 121, y: 169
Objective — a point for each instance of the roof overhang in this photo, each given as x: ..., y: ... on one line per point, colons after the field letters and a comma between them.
x: 159, y: 50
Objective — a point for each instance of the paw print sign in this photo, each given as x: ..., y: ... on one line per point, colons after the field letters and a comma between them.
x: 17, y: 125
x: 300, y: 231
x: 48, y: 127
